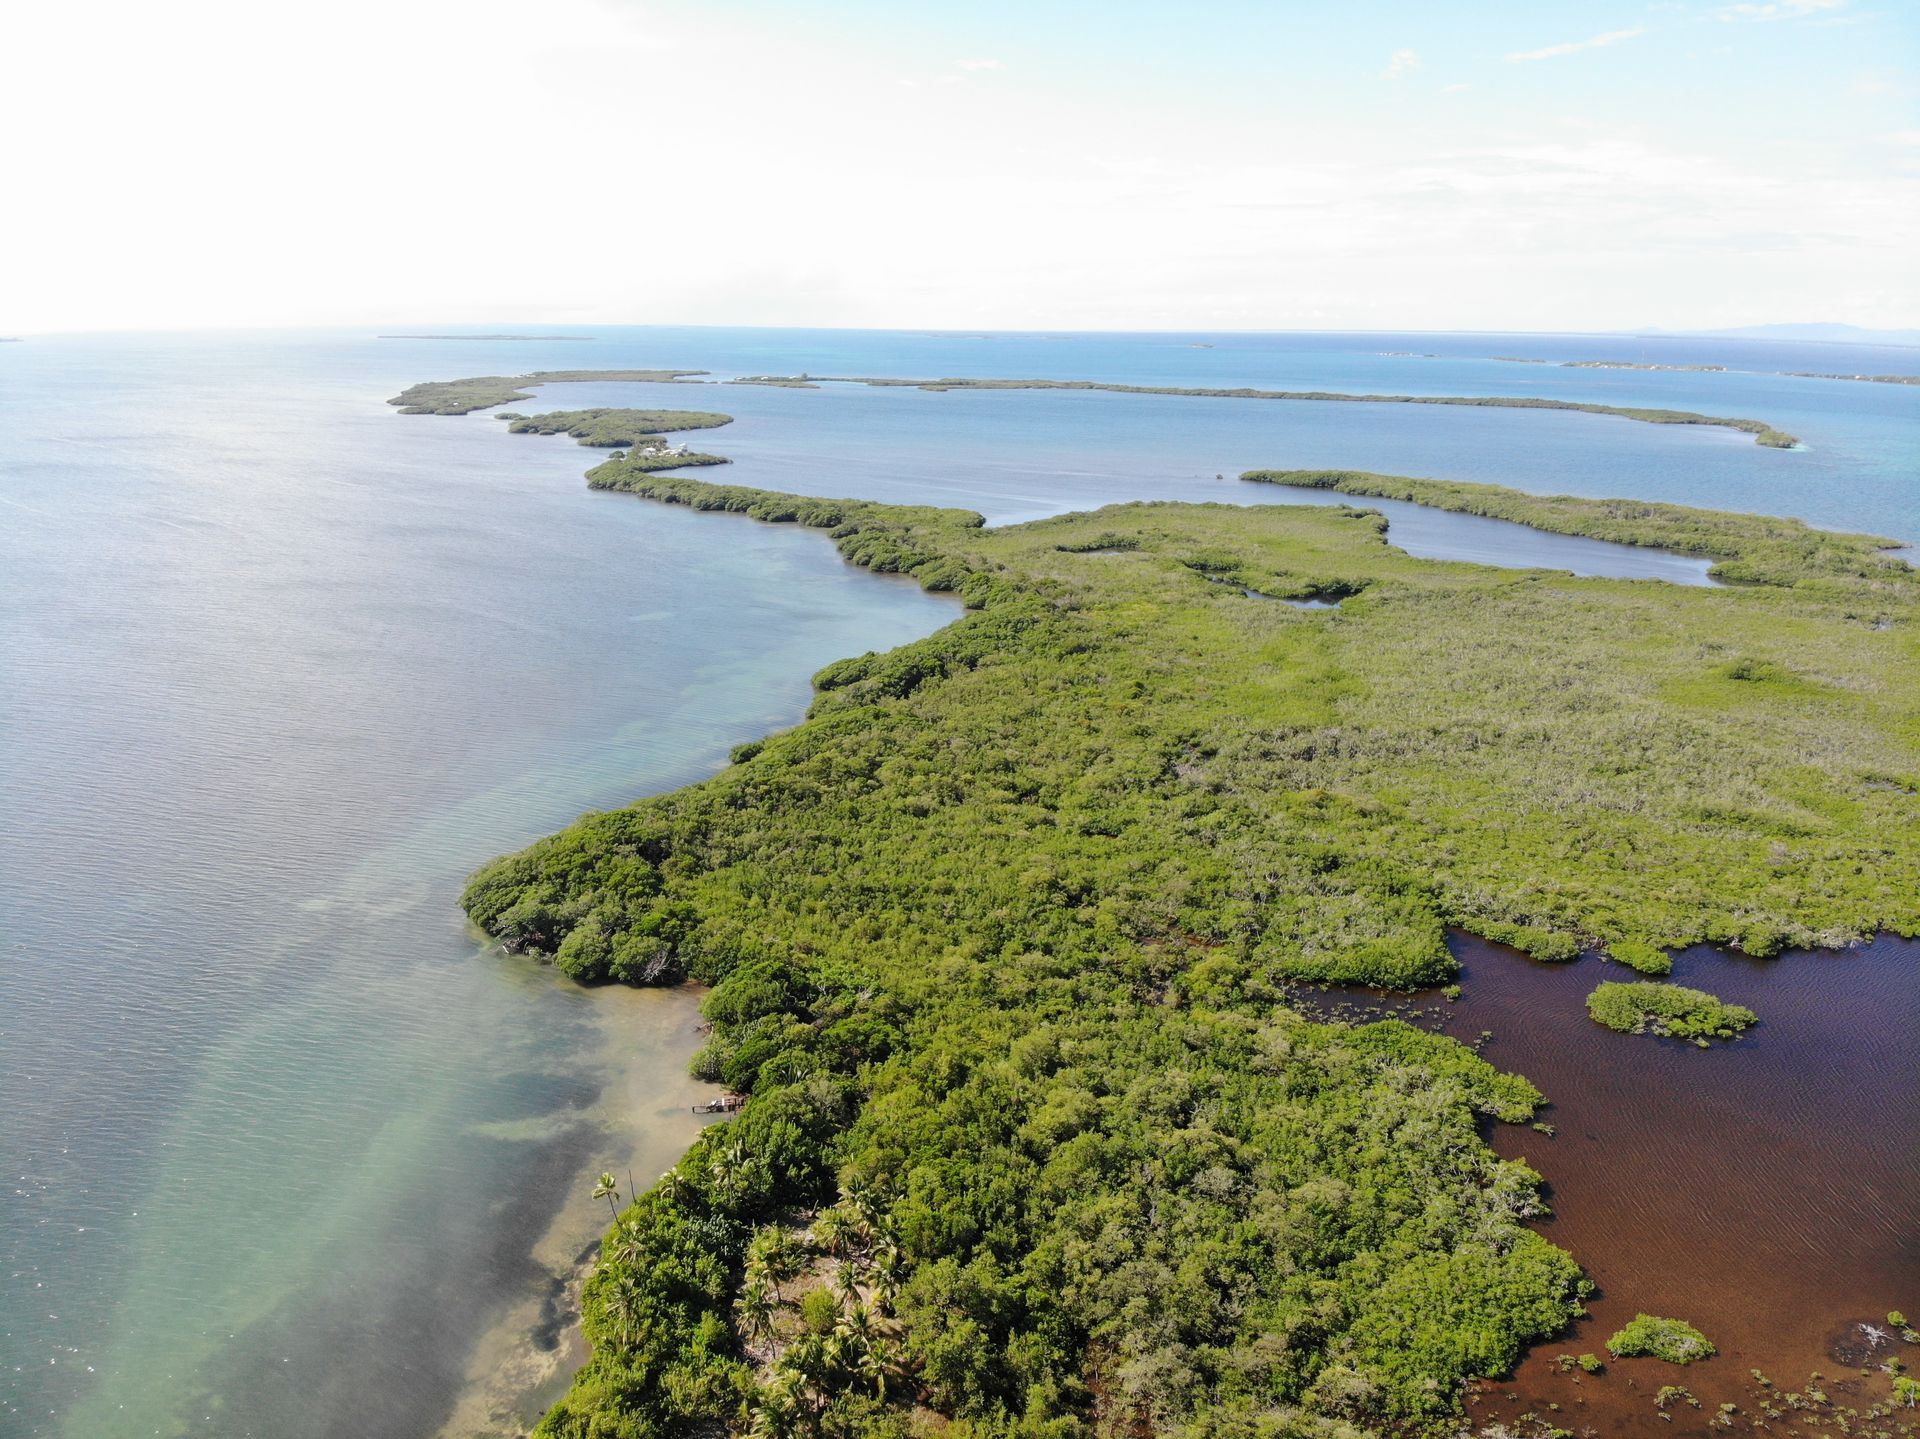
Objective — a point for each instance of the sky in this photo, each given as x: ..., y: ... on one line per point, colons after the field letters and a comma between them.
x: 889, y: 163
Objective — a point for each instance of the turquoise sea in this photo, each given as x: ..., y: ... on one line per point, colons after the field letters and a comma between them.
x: 285, y: 1152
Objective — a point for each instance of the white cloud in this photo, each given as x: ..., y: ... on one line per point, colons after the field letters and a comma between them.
x: 1457, y: 88
x: 1548, y: 52
x: 1400, y: 62
x: 980, y: 64
x: 1777, y: 9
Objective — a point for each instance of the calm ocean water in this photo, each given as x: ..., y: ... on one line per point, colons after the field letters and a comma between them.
x: 285, y: 1153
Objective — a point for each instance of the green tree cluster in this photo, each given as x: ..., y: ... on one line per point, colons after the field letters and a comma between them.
x: 1669, y: 1009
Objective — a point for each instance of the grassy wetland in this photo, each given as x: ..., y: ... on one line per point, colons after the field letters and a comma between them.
x: 1007, y: 941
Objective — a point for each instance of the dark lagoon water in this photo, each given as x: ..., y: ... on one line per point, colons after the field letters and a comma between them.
x: 285, y: 1152
x: 1768, y: 1189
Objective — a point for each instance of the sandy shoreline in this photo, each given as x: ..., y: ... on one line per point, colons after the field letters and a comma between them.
x: 528, y: 1356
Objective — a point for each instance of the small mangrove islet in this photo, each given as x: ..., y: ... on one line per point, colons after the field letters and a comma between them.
x: 1671, y: 1010
x: 1005, y: 942
x: 1674, y: 1340
x: 616, y: 428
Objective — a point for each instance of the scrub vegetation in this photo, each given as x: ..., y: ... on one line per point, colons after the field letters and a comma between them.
x: 1669, y: 1009
x: 1004, y: 940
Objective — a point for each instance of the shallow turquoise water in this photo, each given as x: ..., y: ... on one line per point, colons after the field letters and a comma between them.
x: 279, y: 666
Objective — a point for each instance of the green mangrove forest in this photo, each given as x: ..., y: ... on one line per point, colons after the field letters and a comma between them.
x: 1012, y: 945
x: 1005, y: 941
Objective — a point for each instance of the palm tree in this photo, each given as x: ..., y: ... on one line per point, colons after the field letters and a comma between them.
x: 621, y: 1299
x: 729, y: 1167
x: 887, y: 1274
x: 776, y: 1415
x: 608, y: 1188
x: 874, y: 1360
x: 846, y: 1282
x: 775, y: 1257
x: 833, y: 1231
x: 755, y: 1307
x: 623, y: 1244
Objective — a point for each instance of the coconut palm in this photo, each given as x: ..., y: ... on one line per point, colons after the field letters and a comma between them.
x: 623, y: 1244
x: 775, y: 1256
x: 888, y: 1272
x: 776, y: 1413
x: 620, y: 1301
x: 729, y: 1168
x: 833, y: 1231
x: 755, y: 1307
x: 846, y: 1282
x: 608, y: 1188
x: 874, y: 1361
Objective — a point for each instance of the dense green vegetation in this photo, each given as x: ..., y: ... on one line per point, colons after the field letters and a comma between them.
x: 607, y: 429
x: 483, y: 392
x: 1669, y: 1009
x: 1647, y: 958
x: 1749, y: 549
x: 1004, y: 940
x: 1673, y: 1340
x: 1762, y: 432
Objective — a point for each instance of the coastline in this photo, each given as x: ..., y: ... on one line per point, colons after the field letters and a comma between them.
x: 904, y: 554
x: 524, y: 1361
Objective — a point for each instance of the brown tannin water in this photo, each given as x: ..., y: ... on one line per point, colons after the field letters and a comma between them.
x: 1767, y: 1190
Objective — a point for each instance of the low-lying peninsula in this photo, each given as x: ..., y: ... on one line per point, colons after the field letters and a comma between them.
x: 460, y: 397
x: 1005, y: 940
x: 483, y: 392
x: 1762, y: 432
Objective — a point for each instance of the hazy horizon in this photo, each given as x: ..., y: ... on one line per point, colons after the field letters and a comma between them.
x: 1690, y: 165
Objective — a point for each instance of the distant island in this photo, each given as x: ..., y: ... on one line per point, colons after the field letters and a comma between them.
x: 484, y: 337
x: 1008, y: 942
x: 459, y: 397
x: 1606, y: 364
x: 1868, y: 379
x: 1762, y: 432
